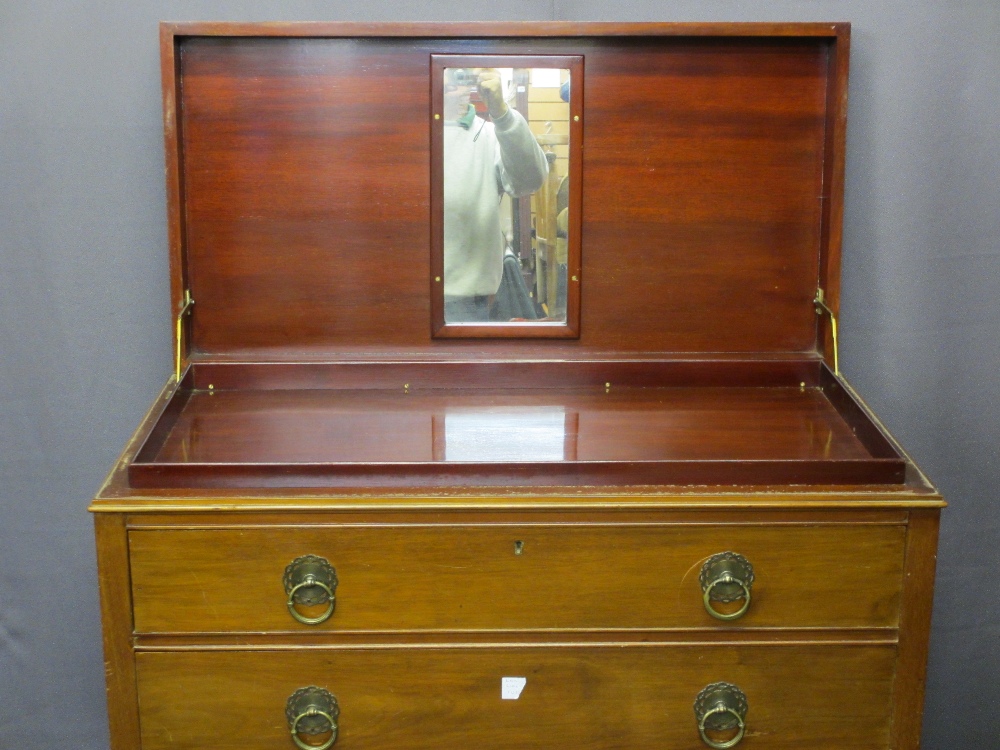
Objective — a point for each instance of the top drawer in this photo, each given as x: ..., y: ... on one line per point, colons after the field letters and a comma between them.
x: 514, y: 577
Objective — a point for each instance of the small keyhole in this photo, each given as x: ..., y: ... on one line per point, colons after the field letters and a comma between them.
x: 518, y: 547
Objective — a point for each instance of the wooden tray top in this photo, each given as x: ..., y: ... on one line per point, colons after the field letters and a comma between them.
x: 509, y: 436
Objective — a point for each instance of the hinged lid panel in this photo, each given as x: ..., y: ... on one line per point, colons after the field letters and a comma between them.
x: 300, y: 175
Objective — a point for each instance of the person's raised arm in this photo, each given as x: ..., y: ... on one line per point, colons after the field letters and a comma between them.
x: 521, y: 163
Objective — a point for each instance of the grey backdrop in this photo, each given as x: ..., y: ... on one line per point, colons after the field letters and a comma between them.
x: 84, y: 309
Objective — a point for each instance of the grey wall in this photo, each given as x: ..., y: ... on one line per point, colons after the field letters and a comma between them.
x: 84, y: 310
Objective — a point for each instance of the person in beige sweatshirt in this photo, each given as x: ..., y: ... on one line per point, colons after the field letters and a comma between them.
x: 482, y: 161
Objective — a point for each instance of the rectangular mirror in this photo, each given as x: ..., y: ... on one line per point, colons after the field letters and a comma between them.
x: 505, y: 148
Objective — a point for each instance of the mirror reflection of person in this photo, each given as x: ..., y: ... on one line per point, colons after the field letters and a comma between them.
x: 482, y: 161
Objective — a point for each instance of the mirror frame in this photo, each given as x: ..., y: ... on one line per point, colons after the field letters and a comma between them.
x: 569, y: 328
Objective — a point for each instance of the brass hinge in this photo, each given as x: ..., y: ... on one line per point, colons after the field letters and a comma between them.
x: 822, y: 307
x: 185, y: 310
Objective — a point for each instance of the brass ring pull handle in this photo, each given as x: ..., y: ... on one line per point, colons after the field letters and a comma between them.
x: 724, y: 580
x: 721, y: 707
x: 726, y: 577
x: 312, y: 710
x: 309, y: 714
x: 309, y: 581
x: 728, y: 743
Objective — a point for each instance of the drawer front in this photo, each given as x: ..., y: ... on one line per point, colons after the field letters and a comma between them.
x: 585, y: 698
x: 455, y: 578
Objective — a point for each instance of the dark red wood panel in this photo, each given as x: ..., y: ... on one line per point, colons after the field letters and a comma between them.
x: 703, y: 174
x: 631, y: 424
x: 496, y: 436
x: 306, y: 172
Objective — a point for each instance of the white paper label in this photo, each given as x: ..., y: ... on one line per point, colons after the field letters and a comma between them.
x: 511, y: 687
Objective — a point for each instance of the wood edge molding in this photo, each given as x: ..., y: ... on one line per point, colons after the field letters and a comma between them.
x: 117, y: 474
x: 116, y: 614
x: 503, y: 29
x: 243, y: 504
x: 915, y: 628
x: 834, y: 640
x: 532, y: 518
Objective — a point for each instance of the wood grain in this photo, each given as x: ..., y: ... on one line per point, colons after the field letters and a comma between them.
x: 833, y: 186
x: 796, y: 511
x: 501, y: 438
x: 587, y: 698
x: 421, y: 373
x: 170, y: 75
x: 621, y: 425
x: 469, y: 577
x: 116, y: 618
x: 306, y: 170
x: 915, y: 628
x: 493, y: 30
x: 332, y: 641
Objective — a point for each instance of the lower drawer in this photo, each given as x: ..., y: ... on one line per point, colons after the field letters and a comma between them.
x: 581, y: 697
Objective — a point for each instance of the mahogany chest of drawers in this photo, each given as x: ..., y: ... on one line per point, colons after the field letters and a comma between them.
x: 651, y: 513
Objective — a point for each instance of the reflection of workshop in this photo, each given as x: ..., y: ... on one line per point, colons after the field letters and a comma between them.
x: 536, y: 233
x: 548, y: 117
x: 535, y: 227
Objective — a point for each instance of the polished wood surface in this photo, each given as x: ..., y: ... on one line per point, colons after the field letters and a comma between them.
x: 491, y: 436
x: 621, y: 425
x: 915, y: 628
x: 606, y: 510
x: 119, y: 495
x: 586, y: 698
x: 833, y: 187
x: 495, y: 29
x: 174, y: 170
x: 714, y: 170
x: 468, y: 577
x: 422, y: 372
x: 116, y: 615
x: 305, y: 178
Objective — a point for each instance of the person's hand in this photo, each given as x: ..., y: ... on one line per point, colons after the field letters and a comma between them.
x: 491, y: 92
